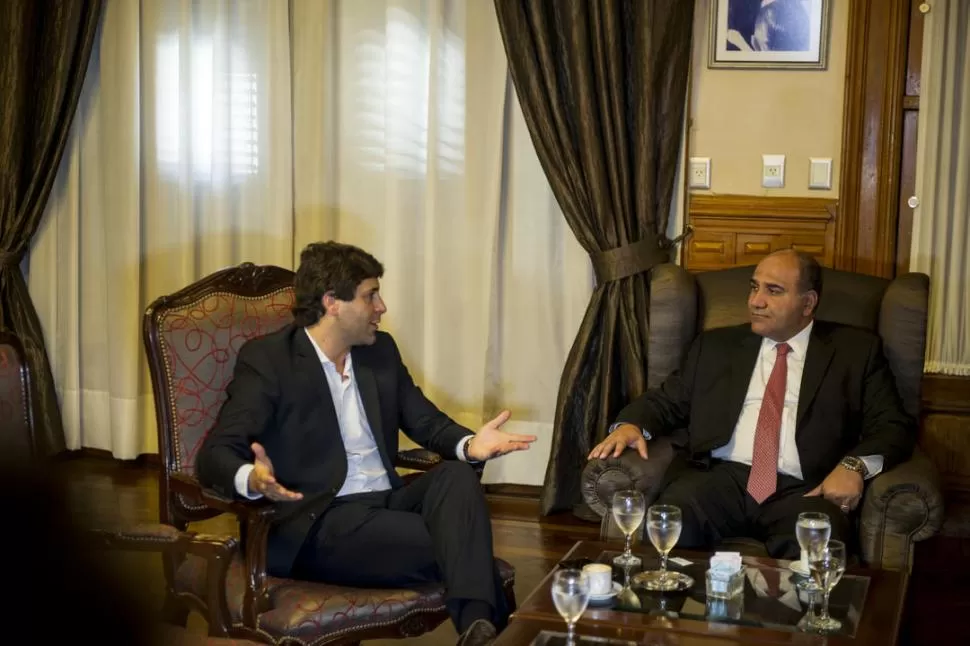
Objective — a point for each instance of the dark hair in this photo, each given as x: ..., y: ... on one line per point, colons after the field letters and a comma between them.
x: 330, y: 267
x: 809, y: 274
x: 787, y: 25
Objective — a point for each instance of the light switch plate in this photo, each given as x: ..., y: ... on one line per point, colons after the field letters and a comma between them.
x: 700, y: 172
x: 773, y: 171
x: 820, y: 173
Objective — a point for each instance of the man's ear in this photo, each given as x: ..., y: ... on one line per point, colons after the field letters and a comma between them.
x: 811, y: 301
x: 330, y: 303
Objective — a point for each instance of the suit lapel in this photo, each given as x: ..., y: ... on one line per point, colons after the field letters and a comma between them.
x: 817, y: 359
x: 742, y: 365
x: 308, y: 365
x: 367, y: 386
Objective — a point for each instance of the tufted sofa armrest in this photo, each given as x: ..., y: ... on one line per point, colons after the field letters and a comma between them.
x: 601, y: 478
x: 901, y: 506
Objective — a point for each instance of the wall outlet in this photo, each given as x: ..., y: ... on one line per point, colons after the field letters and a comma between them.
x: 773, y: 171
x: 699, y: 171
x: 820, y: 173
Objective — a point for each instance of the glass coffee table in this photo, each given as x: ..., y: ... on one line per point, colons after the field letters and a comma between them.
x: 773, y: 602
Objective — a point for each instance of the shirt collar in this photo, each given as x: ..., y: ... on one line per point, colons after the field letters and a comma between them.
x: 798, y: 343
x: 325, y: 360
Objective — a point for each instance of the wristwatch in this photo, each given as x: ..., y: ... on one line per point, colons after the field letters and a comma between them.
x: 464, y: 450
x: 852, y: 463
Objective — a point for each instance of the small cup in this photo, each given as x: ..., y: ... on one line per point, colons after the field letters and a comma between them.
x: 600, y: 578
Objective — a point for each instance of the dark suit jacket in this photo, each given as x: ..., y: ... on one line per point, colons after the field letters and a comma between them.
x: 847, y: 402
x: 279, y: 397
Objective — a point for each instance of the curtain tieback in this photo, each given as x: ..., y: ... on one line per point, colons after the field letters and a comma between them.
x: 8, y: 259
x: 628, y: 260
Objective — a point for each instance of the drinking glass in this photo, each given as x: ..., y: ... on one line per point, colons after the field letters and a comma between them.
x: 812, y: 529
x: 628, y: 509
x: 570, y: 594
x: 827, y: 568
x: 664, y: 523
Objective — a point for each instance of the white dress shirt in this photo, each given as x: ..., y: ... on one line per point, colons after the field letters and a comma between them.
x: 365, y: 469
x: 741, y: 446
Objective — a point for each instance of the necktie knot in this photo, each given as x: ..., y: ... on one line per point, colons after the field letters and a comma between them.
x: 783, y: 349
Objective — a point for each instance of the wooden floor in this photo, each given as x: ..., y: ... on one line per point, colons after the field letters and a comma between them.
x: 107, y: 493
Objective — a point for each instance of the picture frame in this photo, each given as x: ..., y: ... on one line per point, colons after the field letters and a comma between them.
x: 769, y: 34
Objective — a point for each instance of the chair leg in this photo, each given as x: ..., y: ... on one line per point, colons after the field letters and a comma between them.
x: 174, y: 612
x: 510, y: 597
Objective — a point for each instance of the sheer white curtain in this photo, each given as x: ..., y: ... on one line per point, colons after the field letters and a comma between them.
x: 941, y: 221
x: 179, y: 165
x: 212, y: 133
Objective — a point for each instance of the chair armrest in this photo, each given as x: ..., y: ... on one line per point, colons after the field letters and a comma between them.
x: 601, y: 478
x: 425, y: 460
x: 255, y: 519
x: 417, y: 459
x: 901, y: 506
x: 217, y: 551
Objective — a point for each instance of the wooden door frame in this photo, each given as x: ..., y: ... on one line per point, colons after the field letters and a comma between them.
x: 875, y: 80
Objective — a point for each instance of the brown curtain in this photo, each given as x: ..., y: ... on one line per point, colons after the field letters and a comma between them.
x: 44, y: 50
x: 602, y: 84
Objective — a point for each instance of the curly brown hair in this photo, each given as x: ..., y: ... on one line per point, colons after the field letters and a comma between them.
x: 329, y: 267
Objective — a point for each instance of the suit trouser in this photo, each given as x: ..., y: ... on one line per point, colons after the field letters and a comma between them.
x: 435, y: 528
x: 716, y: 505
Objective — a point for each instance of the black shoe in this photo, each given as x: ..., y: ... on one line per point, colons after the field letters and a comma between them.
x: 480, y: 633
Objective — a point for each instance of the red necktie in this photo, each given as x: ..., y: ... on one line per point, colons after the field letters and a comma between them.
x: 764, y: 459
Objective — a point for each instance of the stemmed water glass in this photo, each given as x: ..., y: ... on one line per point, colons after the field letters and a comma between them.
x: 827, y: 568
x: 570, y: 594
x: 812, y: 529
x: 664, y: 523
x: 628, y: 509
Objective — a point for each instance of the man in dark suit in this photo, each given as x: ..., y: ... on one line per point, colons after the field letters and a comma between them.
x: 785, y: 415
x: 311, y: 422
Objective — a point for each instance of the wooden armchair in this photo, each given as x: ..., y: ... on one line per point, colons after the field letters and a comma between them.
x: 192, y: 338
x: 46, y: 514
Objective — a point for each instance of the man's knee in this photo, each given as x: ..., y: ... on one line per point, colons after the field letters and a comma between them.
x: 457, y: 472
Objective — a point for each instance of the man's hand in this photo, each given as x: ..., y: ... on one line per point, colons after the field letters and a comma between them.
x: 842, y: 486
x: 625, y: 435
x: 261, y: 479
x: 491, y: 441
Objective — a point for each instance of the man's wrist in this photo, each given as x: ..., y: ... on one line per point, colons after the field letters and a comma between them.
x: 852, y: 463
x: 465, y: 449
x: 243, y: 482
x: 642, y: 431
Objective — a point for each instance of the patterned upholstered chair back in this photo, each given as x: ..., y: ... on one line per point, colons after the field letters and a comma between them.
x: 16, y: 413
x: 192, y: 338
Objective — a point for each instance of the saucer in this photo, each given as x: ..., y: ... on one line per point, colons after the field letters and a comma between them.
x: 609, y: 595
x: 799, y: 568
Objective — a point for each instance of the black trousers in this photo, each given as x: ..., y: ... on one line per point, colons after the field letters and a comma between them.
x: 716, y: 505
x: 436, y: 528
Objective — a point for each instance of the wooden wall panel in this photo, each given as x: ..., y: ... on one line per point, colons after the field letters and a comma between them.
x: 736, y: 230
x: 945, y: 431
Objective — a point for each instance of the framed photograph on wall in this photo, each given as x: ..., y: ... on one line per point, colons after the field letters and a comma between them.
x: 769, y: 34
